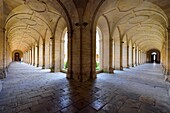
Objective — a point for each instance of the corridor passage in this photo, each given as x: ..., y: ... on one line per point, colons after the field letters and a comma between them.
x: 32, y: 90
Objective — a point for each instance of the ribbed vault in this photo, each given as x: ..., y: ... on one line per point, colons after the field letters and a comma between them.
x: 29, y: 23
x: 142, y: 22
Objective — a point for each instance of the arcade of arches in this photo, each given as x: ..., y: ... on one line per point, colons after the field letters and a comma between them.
x: 82, y: 37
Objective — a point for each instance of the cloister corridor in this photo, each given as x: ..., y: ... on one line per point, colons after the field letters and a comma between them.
x: 84, y: 56
x: 29, y: 89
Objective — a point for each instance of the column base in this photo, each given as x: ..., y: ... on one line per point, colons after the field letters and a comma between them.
x: 121, y: 68
x: 78, y: 78
x: 167, y: 75
x: 52, y: 69
x: 37, y: 65
x: 69, y: 74
x: 133, y: 65
x: 128, y: 67
x: 43, y: 67
x: 3, y: 73
x: 111, y: 70
x: 167, y: 78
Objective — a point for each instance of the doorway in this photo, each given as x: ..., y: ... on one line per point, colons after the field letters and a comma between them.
x: 153, y: 57
x: 17, y: 56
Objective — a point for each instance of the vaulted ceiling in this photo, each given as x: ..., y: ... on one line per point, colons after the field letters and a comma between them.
x: 144, y: 22
x: 29, y: 23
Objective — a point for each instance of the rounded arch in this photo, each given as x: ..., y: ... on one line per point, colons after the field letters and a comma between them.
x: 103, y: 31
x: 153, y: 56
x: 17, y: 55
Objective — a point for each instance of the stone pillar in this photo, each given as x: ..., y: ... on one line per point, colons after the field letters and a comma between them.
x: 167, y: 57
x: 43, y: 66
x: 121, y: 55
x: 136, y: 57
x: 133, y: 56
x: 53, y: 55
x: 27, y: 58
x: 163, y: 59
x: 45, y: 51
x: 107, y: 55
x: 128, y: 56
x: 141, y: 57
x: 33, y: 52
x: 24, y: 59
x: 31, y: 61
x: 139, y: 60
x: 82, y: 53
x: 3, y: 66
x: 37, y: 55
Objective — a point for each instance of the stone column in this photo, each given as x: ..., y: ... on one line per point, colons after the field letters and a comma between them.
x: 33, y: 50
x: 53, y: 55
x: 141, y: 57
x: 128, y: 56
x: 43, y: 66
x: 132, y: 56
x: 27, y: 57
x: 121, y: 55
x: 82, y: 53
x: 37, y: 55
x: 163, y: 59
x: 31, y: 61
x: 139, y: 60
x: 167, y: 57
x: 58, y: 51
x: 107, y: 54
x: 136, y: 57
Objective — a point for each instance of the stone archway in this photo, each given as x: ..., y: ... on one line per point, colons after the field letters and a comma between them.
x: 17, y: 55
x: 153, y: 56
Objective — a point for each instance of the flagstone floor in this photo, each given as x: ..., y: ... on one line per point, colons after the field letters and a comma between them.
x: 28, y: 89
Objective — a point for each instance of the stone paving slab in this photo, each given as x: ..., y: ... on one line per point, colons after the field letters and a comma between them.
x: 31, y: 90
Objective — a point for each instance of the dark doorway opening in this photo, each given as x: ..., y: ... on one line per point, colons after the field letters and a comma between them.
x: 17, y: 57
x: 154, y: 57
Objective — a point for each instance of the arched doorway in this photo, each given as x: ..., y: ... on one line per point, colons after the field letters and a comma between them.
x: 153, y: 56
x: 17, y: 57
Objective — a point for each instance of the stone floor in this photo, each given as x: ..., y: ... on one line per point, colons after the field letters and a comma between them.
x: 137, y: 90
